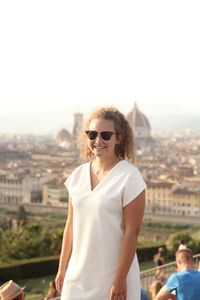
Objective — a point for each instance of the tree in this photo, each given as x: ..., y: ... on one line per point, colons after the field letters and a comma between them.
x: 22, y: 214
x: 30, y: 240
x: 174, y: 241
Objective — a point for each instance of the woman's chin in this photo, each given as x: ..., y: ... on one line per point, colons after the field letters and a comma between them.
x: 98, y: 153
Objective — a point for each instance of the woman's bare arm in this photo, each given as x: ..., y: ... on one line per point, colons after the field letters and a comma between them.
x: 66, y: 247
x: 133, y: 216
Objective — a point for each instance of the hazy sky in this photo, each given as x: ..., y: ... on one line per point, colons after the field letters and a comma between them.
x: 58, y: 54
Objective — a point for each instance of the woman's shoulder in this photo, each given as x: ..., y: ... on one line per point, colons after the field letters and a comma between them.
x: 130, y: 167
x: 77, y: 171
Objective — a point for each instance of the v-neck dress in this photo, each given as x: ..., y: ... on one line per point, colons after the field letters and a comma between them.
x: 98, y: 232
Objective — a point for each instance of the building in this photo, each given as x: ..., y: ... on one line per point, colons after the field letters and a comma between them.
x: 186, y: 203
x: 141, y: 128
x: 67, y: 140
x: 18, y: 189
x: 167, y: 198
x: 159, y: 196
x: 78, y: 121
x: 64, y: 138
x: 55, y: 193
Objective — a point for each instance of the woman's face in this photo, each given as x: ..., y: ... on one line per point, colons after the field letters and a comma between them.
x: 102, y: 145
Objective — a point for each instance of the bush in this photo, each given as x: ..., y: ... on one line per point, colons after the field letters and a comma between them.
x: 45, y: 266
x: 29, y: 241
x: 32, y: 268
x: 174, y: 241
x: 147, y: 254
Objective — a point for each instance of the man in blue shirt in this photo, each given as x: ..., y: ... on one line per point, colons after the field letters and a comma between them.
x: 185, y: 283
x: 144, y: 295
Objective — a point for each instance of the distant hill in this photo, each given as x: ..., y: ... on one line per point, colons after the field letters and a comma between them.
x: 52, y: 122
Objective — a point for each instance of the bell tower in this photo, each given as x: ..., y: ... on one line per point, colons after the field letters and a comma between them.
x: 78, y: 120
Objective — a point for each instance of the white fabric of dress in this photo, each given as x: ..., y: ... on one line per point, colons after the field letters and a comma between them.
x: 98, y: 232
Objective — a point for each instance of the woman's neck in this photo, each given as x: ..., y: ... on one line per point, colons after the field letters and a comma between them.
x: 100, y: 165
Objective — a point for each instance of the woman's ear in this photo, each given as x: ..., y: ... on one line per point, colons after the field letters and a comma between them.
x: 118, y: 138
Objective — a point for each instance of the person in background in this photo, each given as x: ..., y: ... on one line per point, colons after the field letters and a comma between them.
x: 52, y: 292
x: 159, y: 259
x: 105, y: 212
x: 182, y: 245
x: 185, y: 282
x: 144, y: 295
x: 154, y: 288
x: 11, y: 291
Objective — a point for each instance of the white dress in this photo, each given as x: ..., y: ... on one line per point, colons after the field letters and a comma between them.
x: 98, y: 231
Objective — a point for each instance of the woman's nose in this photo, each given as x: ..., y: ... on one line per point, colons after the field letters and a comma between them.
x: 98, y: 138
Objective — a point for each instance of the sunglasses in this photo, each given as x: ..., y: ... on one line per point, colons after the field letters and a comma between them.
x: 105, y: 135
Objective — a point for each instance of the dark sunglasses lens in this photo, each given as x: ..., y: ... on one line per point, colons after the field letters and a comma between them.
x: 91, y: 135
x: 106, y: 135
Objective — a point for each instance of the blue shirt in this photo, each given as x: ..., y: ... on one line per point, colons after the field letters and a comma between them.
x: 144, y: 295
x: 186, y: 284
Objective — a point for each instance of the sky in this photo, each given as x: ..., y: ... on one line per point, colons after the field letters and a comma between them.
x: 82, y: 54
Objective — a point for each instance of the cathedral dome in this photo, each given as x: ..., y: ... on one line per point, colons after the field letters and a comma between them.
x: 63, y: 135
x: 141, y: 128
x: 137, y: 119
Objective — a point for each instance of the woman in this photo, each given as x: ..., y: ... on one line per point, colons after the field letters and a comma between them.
x: 106, y: 205
x: 159, y: 259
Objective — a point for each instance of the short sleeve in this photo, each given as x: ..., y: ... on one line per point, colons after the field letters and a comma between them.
x: 172, y: 283
x: 68, y: 182
x: 134, y: 185
x: 73, y: 180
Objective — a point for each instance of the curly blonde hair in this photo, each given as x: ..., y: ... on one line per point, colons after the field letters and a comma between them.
x: 125, y: 149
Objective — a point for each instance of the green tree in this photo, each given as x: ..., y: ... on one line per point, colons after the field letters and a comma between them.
x: 174, y: 241
x: 30, y: 240
x: 22, y: 214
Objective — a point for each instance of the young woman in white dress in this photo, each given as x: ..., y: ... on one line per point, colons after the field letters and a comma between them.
x: 98, y: 259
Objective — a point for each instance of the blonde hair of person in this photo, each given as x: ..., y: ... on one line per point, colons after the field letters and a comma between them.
x: 125, y: 149
x: 184, y: 254
x: 155, y: 288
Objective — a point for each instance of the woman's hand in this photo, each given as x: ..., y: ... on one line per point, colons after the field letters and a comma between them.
x: 118, y: 290
x: 59, y: 280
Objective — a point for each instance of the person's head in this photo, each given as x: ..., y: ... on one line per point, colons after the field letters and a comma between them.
x: 108, y: 128
x: 11, y: 291
x: 182, y: 242
x: 155, y: 288
x: 161, y: 251
x: 184, y: 259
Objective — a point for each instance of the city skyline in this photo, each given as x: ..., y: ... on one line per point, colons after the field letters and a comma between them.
x: 51, y: 122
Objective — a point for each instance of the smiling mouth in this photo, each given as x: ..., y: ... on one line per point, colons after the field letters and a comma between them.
x: 97, y: 147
